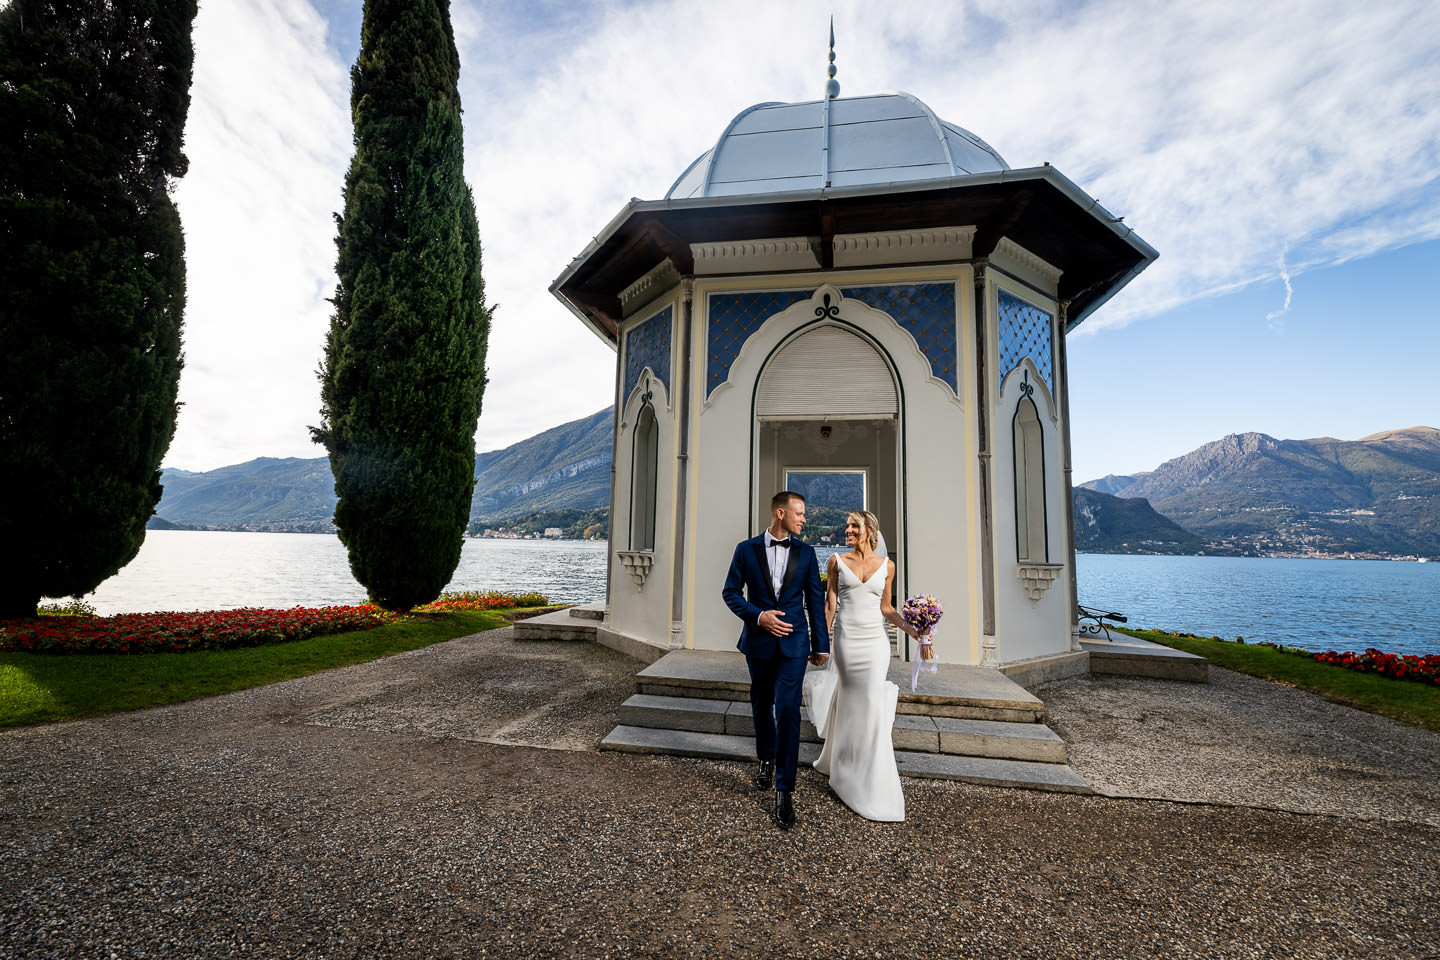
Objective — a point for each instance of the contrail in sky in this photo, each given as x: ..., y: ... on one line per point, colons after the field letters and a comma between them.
x: 1289, y: 294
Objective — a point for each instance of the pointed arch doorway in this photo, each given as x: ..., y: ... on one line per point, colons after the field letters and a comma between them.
x: 826, y: 423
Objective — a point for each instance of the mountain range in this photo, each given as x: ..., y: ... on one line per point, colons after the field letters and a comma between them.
x: 1246, y: 493
x: 567, y: 467
x: 1250, y: 492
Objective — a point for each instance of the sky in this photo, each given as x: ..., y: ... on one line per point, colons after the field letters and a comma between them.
x: 1284, y: 158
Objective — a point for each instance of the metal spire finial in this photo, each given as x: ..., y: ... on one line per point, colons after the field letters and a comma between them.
x: 832, y: 86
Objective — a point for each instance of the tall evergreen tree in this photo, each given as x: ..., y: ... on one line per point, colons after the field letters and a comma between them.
x: 404, y: 368
x: 93, y: 99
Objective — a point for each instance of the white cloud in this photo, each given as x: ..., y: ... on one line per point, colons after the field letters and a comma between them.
x: 268, y: 141
x: 1226, y: 133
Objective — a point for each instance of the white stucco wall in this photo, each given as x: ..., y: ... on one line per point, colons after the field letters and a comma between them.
x: 643, y: 611
x: 1026, y: 628
x: 937, y: 535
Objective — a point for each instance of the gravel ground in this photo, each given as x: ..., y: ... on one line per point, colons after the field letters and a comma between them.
x: 417, y: 807
x: 1246, y: 742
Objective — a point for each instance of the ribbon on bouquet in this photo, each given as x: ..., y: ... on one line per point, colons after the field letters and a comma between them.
x: 918, y: 664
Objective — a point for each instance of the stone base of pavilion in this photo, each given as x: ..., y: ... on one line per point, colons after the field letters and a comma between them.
x: 961, y: 723
x: 968, y: 723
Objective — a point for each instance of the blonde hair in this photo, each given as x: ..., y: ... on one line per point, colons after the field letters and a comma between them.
x: 869, y: 522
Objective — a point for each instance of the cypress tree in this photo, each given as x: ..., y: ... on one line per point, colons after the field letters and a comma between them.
x: 93, y: 99
x: 404, y: 367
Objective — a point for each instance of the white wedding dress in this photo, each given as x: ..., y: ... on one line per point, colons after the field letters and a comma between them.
x: 853, y: 706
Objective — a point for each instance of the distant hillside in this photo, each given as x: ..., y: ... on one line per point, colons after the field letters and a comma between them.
x: 1112, y: 483
x: 1245, y: 493
x: 567, y: 467
x: 1108, y: 524
x: 1378, y: 495
x: 263, y: 494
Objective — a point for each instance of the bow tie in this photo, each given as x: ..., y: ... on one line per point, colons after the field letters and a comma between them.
x: 780, y: 543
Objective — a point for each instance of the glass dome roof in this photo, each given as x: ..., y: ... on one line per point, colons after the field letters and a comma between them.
x: 883, y: 138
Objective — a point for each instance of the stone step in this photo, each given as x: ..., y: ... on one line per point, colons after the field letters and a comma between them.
x: 698, y: 714
x: 589, y: 611
x: 555, y: 626
x: 691, y: 743
x: 956, y: 690
x: 922, y: 734
x: 982, y: 770
x: 998, y: 739
x: 1132, y: 657
x: 989, y: 771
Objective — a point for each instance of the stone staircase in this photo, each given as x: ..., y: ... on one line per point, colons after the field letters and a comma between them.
x: 572, y: 623
x: 963, y: 723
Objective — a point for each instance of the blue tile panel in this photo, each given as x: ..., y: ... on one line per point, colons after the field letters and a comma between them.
x: 1025, y: 332
x: 733, y: 318
x: 648, y: 345
x: 927, y: 312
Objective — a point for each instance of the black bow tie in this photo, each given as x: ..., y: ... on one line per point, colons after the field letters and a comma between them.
x: 780, y: 543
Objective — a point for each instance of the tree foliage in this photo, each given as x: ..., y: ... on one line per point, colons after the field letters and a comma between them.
x: 404, y: 367
x: 93, y: 100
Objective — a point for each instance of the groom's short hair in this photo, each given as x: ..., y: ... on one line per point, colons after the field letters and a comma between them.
x: 782, y: 500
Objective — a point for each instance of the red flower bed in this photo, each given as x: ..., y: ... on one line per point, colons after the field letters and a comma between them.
x: 178, y: 632
x: 1396, y: 666
x: 1424, y: 669
x: 482, y: 600
x: 220, y: 629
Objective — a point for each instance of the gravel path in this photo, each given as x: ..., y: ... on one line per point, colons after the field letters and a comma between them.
x: 410, y: 808
x: 1242, y: 741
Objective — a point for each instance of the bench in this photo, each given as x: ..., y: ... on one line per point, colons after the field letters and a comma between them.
x: 1090, y: 622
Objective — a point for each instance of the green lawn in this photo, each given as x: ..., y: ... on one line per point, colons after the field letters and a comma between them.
x: 38, y: 688
x: 1402, y: 700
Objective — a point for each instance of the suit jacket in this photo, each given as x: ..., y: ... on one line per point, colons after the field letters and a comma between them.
x: 748, y: 593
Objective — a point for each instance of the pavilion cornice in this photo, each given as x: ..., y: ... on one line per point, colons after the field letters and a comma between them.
x: 1039, y: 209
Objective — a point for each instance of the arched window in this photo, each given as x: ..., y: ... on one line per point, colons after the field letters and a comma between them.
x: 1030, y: 540
x: 800, y: 382
x: 644, y: 469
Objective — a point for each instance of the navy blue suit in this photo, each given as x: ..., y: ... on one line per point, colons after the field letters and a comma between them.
x: 777, y: 664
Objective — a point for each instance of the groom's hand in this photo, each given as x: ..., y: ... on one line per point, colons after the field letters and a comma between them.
x: 819, y: 659
x: 773, y: 621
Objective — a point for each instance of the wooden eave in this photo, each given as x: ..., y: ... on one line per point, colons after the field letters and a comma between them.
x: 1083, y: 242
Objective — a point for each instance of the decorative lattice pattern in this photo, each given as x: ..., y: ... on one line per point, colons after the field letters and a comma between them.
x: 1025, y: 332
x: 648, y: 345
x: 733, y: 318
x: 927, y: 312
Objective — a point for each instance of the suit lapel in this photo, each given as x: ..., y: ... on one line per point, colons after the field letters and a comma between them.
x: 790, y: 565
x: 763, y: 565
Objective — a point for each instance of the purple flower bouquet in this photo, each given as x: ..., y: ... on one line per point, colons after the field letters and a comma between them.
x: 922, y: 612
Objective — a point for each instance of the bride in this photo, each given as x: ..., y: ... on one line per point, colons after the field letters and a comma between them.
x: 852, y: 704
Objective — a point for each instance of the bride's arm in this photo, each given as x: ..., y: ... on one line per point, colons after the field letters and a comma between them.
x: 832, y: 587
x: 887, y: 609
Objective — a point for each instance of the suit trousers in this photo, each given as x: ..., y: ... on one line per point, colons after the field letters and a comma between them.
x: 775, y: 684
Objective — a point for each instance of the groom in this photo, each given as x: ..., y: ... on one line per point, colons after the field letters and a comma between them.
x: 774, y: 587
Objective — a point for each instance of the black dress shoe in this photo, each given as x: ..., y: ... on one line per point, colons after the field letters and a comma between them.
x: 766, y: 775
x: 784, y: 810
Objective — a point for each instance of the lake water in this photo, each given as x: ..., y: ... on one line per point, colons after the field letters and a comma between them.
x: 1317, y: 604
x: 212, y: 570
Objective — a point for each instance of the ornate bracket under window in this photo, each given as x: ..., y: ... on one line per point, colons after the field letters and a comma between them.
x: 637, y: 564
x: 1037, y: 577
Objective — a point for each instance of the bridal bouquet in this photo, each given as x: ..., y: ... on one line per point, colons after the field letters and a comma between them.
x: 922, y: 612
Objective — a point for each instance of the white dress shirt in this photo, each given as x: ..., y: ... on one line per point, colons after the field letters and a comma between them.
x: 778, y: 552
